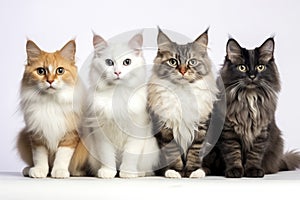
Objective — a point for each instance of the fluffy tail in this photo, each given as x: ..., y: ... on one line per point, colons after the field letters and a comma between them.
x: 78, y: 165
x: 290, y: 161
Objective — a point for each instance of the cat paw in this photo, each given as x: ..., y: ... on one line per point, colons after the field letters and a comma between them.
x: 60, y: 173
x: 254, y: 172
x: 38, y: 172
x: 128, y: 175
x: 25, y: 171
x: 106, y: 173
x: 170, y: 173
x: 234, y: 172
x: 199, y: 173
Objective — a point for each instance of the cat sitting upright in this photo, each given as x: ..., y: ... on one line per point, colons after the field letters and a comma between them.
x: 181, y: 93
x: 117, y: 128
x: 251, y: 144
x: 51, y: 94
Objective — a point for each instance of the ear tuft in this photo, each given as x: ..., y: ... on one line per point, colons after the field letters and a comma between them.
x: 98, y: 40
x: 162, y: 38
x: 233, y: 49
x: 202, y: 40
x: 68, y: 51
x: 33, y: 51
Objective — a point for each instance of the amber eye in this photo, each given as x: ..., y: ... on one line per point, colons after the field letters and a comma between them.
x: 260, y: 68
x: 41, y: 71
x: 192, y: 62
x: 242, y: 68
x: 173, y: 62
x: 127, y: 62
x: 60, y: 70
x: 109, y: 62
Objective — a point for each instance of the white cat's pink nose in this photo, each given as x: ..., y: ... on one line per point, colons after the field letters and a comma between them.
x: 117, y: 73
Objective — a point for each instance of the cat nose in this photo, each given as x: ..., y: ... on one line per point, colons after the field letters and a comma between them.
x: 252, y: 76
x: 50, y: 81
x: 117, y: 73
x: 182, y: 70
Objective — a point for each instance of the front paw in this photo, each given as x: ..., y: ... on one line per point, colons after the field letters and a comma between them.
x: 199, y: 173
x: 170, y: 173
x: 124, y: 174
x: 254, y: 172
x: 106, y: 173
x: 234, y: 172
x: 60, y: 173
x: 38, y: 172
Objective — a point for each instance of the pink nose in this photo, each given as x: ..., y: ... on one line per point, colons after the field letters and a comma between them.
x: 50, y: 81
x: 117, y: 73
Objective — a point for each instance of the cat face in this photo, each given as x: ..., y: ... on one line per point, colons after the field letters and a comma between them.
x: 117, y: 63
x: 181, y: 63
x: 48, y: 73
x: 250, y: 69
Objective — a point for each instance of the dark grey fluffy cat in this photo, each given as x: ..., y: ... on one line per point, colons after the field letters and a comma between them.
x: 181, y: 93
x: 250, y: 144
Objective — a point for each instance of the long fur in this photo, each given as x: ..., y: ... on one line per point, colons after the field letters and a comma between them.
x: 117, y: 129
x: 51, y: 104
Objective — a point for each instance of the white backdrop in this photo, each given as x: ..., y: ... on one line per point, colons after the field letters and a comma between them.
x: 52, y: 23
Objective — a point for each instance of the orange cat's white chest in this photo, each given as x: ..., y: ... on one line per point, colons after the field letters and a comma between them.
x: 47, y: 117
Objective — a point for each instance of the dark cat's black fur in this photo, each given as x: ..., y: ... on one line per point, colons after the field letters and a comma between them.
x: 250, y: 144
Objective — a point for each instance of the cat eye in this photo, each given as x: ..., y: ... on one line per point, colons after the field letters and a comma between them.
x: 242, y: 68
x: 109, y: 62
x: 127, y: 62
x: 173, y: 62
x: 192, y: 62
x: 260, y: 68
x: 60, y: 70
x: 41, y: 71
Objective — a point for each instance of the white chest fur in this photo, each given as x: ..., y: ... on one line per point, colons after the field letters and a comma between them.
x: 121, y: 113
x: 182, y: 108
x: 45, y: 115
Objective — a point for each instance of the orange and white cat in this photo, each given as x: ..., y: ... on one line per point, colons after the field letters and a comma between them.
x: 51, y: 99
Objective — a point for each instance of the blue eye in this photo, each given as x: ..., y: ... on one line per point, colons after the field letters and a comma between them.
x: 109, y: 62
x: 41, y: 71
x: 127, y: 62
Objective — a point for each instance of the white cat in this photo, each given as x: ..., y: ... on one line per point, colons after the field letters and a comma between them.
x: 117, y: 128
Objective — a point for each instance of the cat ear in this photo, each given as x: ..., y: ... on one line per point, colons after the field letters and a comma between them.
x: 266, y: 50
x: 233, y: 49
x: 136, y: 42
x: 33, y: 51
x: 68, y: 51
x: 162, y: 38
x: 202, y: 40
x: 98, y: 40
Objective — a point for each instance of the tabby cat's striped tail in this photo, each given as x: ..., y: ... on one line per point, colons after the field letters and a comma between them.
x: 290, y: 161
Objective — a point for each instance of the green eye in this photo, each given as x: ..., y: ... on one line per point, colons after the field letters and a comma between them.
x: 173, y: 62
x: 260, y: 68
x: 192, y: 62
x: 60, y: 70
x: 109, y: 62
x: 242, y: 68
x: 41, y: 71
x: 127, y: 62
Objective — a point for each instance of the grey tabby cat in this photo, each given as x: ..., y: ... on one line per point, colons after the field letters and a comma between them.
x: 181, y: 94
x: 250, y: 144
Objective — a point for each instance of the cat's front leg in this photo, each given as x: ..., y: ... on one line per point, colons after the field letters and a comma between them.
x: 40, y: 162
x: 193, y: 166
x: 64, y: 155
x: 253, y: 166
x: 231, y: 151
x: 131, y: 158
x: 171, y: 153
